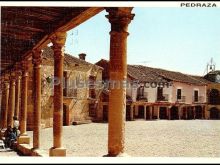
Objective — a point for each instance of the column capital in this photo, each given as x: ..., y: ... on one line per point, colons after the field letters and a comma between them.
x: 37, y: 57
x: 24, y: 68
x: 6, y: 78
x: 12, y: 77
x: 119, y: 17
x: 18, y: 74
x: 58, y: 39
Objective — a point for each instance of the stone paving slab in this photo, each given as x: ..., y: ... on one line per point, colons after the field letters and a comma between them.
x: 160, y: 138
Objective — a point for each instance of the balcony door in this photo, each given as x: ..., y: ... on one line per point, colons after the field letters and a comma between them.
x: 196, y: 95
x: 160, y: 94
x: 179, y: 94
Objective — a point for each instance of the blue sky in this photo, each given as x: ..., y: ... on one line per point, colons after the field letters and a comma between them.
x: 178, y: 39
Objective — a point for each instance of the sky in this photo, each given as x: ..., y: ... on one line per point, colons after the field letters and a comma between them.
x: 177, y: 39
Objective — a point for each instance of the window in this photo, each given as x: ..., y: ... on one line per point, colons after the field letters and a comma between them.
x: 75, y: 92
x: 179, y: 94
x: 160, y: 94
x: 92, y: 93
x: 141, y: 91
x: 196, y: 95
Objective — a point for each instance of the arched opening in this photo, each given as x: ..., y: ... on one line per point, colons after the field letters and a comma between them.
x: 190, y: 113
x: 174, y: 115
x: 214, y: 97
x: 214, y: 113
x: 198, y: 112
x: 184, y: 114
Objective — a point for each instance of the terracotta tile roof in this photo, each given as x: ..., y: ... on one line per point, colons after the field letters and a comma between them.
x: 148, y: 74
x: 172, y: 75
x: 144, y: 75
x: 69, y: 60
x: 202, y: 79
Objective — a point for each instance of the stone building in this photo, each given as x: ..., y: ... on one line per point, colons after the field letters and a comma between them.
x: 79, y: 102
x: 213, y: 94
x: 161, y: 94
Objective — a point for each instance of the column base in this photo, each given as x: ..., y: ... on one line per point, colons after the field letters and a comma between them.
x: 118, y: 155
x: 57, y: 152
x: 24, y: 139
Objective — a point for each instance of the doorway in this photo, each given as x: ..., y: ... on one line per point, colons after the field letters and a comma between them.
x: 64, y: 115
x: 198, y: 112
x: 214, y: 113
x: 141, y: 112
x: 174, y: 114
x: 163, y: 113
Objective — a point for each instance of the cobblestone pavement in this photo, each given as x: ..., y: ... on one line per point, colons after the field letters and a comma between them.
x: 177, y: 138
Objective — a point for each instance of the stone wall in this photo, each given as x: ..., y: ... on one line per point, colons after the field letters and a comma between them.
x: 78, y: 107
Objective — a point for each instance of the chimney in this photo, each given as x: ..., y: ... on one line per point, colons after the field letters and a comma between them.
x: 82, y: 56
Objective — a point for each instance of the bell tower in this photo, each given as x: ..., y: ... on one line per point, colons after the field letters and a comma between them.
x: 210, y: 66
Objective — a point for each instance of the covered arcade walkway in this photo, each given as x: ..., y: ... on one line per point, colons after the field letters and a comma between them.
x: 25, y: 31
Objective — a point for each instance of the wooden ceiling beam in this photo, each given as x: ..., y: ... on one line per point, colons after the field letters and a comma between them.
x: 26, y: 28
x: 17, y: 36
x: 82, y: 17
x: 26, y: 12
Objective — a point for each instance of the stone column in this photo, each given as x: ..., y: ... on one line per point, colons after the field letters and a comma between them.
x: 24, y: 138
x: 119, y: 19
x: 158, y: 112
x: 179, y: 112
x: 203, y: 112
x: 58, y: 40
x: 11, y: 101
x: 145, y: 112
x: 136, y: 110
x: 187, y: 109
x: 5, y: 97
x: 151, y: 112
x: 36, y: 60
x: 169, y: 109
x: 194, y: 112
x: 17, y: 94
x: 167, y: 113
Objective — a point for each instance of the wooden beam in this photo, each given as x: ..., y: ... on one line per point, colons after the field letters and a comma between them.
x: 21, y: 27
x: 17, y: 36
x: 82, y: 17
x: 87, y: 14
x: 75, y: 21
x: 20, y: 12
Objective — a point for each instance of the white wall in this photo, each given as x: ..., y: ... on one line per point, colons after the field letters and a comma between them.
x: 187, y: 90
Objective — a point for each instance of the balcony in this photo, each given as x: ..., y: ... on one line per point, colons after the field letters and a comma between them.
x: 182, y: 99
x: 164, y: 97
x: 199, y: 99
x: 142, y: 97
